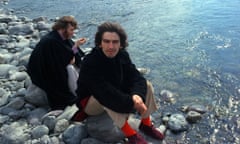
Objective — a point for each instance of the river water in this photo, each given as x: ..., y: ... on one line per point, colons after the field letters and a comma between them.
x: 192, y: 48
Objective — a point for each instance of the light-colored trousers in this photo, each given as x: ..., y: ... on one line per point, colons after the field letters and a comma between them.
x: 93, y: 107
x: 72, y: 78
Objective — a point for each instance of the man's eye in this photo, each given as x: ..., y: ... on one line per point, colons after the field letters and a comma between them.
x: 116, y: 41
x: 106, y: 41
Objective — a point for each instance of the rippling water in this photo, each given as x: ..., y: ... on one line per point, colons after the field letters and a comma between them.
x: 191, y: 46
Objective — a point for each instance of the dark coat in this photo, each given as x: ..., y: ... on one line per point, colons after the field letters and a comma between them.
x: 47, y: 69
x: 112, y: 81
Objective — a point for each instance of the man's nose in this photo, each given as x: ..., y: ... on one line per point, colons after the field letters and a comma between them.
x: 110, y: 44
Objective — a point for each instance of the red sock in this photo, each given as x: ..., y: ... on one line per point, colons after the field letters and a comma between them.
x: 127, y: 130
x: 146, y: 121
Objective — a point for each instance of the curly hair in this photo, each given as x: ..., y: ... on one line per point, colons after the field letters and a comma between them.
x: 111, y: 27
x: 63, y: 23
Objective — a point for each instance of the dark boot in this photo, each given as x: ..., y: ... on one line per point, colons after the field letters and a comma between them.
x: 136, y: 139
x: 151, y: 131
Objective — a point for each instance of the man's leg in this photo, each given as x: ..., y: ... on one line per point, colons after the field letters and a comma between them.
x: 93, y: 107
x: 146, y: 124
x: 121, y: 120
x: 72, y: 78
x: 150, y: 101
x: 88, y: 107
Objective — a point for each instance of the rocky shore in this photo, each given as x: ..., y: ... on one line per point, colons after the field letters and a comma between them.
x: 25, y: 117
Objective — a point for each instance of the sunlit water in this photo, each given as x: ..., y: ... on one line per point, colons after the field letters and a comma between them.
x: 191, y: 47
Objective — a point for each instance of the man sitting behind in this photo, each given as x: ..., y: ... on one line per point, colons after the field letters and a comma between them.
x: 48, y: 62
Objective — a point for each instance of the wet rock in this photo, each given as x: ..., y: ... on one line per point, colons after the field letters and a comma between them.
x: 21, y: 42
x: 3, y: 39
x: 20, y: 92
x: 4, y: 18
x: 36, y: 96
x: 96, y: 129
x: 197, y: 108
x: 91, y: 141
x: 68, y: 112
x: 21, y: 29
x: 74, y: 134
x: 39, y: 131
x: 3, y: 28
x: 193, y: 116
x: 167, y: 96
x: 43, y: 26
x: 16, y: 103
x: 3, y: 96
x: 17, y: 114
x: 5, y: 68
x: 177, y: 123
x: 50, y: 122
x: 3, y: 119
x: 18, y: 76
x: 61, y: 125
x: 34, y: 117
x: 39, y: 19
x: 15, y: 133
x: 5, y: 58
x: 143, y: 70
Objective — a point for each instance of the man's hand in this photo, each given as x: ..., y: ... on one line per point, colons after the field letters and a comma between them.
x: 139, y: 104
x: 80, y: 42
x: 72, y: 60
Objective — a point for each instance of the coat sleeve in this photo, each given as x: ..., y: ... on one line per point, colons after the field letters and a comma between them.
x: 136, y: 82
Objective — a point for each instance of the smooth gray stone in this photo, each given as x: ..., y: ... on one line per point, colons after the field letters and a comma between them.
x: 36, y: 96
x: 74, y: 134
x: 5, y: 68
x: 102, y: 128
x: 193, y: 116
x: 3, y: 96
x: 177, y: 123
x: 39, y: 131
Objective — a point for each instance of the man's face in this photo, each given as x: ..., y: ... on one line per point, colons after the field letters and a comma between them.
x: 110, y: 44
x: 68, y: 32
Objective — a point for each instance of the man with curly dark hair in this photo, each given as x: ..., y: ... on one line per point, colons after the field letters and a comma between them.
x: 109, y: 81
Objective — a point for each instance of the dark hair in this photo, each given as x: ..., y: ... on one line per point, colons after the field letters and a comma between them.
x: 111, y: 27
x: 63, y: 23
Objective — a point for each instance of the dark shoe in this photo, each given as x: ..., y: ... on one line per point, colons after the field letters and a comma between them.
x: 151, y: 131
x: 136, y: 139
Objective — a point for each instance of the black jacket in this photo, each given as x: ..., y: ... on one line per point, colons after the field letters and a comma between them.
x: 47, y: 69
x: 112, y: 81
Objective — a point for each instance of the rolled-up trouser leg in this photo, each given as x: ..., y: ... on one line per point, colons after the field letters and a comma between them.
x: 150, y: 100
x: 93, y: 107
x: 120, y: 118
